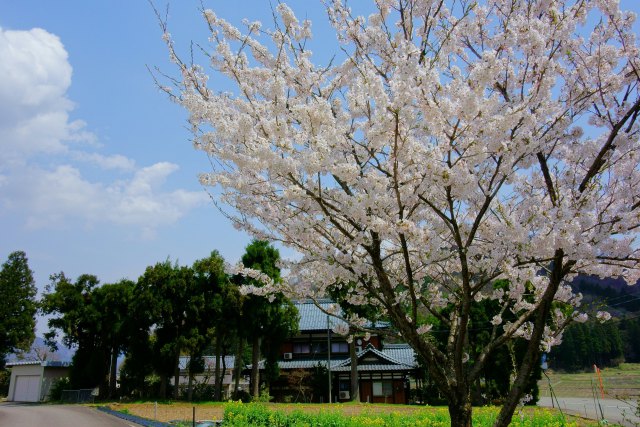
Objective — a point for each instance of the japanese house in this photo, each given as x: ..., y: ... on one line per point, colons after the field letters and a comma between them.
x: 385, y: 371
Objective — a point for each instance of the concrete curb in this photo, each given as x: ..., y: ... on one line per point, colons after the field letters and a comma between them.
x: 133, y: 418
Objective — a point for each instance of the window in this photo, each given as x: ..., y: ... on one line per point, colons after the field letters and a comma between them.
x: 319, y: 347
x: 382, y: 388
x: 339, y: 347
x: 303, y: 348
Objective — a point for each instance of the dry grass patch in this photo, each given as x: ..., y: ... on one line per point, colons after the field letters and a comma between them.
x: 622, y: 382
x: 171, y: 411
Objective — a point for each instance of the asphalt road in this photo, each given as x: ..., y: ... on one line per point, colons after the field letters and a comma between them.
x: 32, y: 415
x: 616, y: 411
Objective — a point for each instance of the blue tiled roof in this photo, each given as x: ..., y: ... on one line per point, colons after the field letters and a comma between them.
x: 47, y: 363
x: 373, y: 367
x: 386, y: 362
x: 313, y: 318
x: 393, y: 357
x: 401, y: 352
x: 308, y: 364
x: 209, y: 362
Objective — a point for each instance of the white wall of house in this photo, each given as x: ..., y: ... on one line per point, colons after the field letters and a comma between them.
x: 207, y: 377
x: 33, y: 382
x: 26, y: 383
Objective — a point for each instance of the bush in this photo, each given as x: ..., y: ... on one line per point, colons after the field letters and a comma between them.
x: 5, y: 377
x: 58, y: 386
x: 264, y: 397
x: 241, y: 395
x: 203, y: 392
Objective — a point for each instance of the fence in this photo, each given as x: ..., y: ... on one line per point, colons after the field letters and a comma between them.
x: 86, y: 395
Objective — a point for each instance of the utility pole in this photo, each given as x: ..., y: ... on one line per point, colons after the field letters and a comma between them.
x: 329, y: 356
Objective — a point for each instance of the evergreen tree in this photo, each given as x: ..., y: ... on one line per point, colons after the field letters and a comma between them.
x: 169, y: 291
x: 217, y: 314
x: 630, y: 329
x: 70, y: 305
x: 17, y: 305
x: 277, y: 319
x: 112, y: 303
x: 586, y: 344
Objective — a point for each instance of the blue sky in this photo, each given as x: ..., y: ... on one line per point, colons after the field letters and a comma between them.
x: 97, y: 174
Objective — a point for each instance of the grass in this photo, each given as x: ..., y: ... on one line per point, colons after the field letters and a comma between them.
x: 241, y: 415
x: 622, y: 382
x: 354, y: 413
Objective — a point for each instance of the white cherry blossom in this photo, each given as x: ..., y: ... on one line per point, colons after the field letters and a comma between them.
x: 449, y: 144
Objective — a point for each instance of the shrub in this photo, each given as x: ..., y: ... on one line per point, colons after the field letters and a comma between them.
x: 5, y: 377
x: 264, y: 397
x: 203, y: 392
x: 57, y: 388
x: 241, y: 395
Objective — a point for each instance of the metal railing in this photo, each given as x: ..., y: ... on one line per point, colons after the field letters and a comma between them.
x: 78, y: 396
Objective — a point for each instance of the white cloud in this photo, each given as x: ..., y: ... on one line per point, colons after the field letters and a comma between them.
x: 35, y: 121
x: 37, y: 72
x: 34, y: 109
x: 114, y: 162
x: 56, y: 197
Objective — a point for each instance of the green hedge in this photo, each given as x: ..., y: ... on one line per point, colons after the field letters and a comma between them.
x: 253, y: 414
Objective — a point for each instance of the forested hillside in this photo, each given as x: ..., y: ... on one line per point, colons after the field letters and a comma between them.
x: 603, y: 344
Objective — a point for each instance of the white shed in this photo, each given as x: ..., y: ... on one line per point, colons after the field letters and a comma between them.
x: 31, y: 381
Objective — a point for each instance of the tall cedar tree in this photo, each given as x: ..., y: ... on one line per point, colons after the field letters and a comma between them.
x: 217, y: 314
x: 70, y: 305
x: 17, y: 305
x: 169, y: 288
x: 112, y: 303
x: 275, y: 318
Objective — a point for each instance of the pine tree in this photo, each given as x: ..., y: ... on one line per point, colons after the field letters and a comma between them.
x: 17, y: 305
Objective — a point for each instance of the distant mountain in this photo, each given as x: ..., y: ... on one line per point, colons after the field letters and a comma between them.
x: 614, y: 293
x: 607, y: 282
x: 40, y: 351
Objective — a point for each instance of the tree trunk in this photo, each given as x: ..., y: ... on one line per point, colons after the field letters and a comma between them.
x: 191, y: 375
x: 518, y: 388
x: 255, y: 369
x: 190, y: 386
x: 532, y: 356
x: 176, y: 375
x: 355, y: 387
x: 477, y: 393
x: 112, y: 373
x: 224, y: 370
x: 216, y: 374
x: 460, y: 413
x: 238, y: 366
x: 163, y: 386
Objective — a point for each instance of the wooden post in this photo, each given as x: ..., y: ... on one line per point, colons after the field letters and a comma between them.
x: 329, y: 356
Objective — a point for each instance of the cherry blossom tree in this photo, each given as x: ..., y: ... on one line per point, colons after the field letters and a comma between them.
x: 447, y: 145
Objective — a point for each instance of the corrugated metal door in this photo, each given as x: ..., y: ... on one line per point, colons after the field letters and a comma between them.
x: 27, y: 388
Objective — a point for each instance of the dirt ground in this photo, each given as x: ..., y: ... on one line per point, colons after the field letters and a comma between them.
x: 171, y: 411
x: 215, y: 411
x: 622, y: 382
